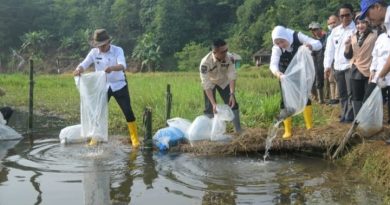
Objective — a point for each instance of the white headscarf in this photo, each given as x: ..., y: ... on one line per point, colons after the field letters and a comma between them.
x: 283, y: 33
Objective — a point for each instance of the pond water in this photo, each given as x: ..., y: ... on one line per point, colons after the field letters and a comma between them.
x: 42, y: 171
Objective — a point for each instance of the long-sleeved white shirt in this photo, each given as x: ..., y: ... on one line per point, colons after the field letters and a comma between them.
x: 114, y: 56
x: 387, y: 20
x: 335, y: 47
x: 380, y: 53
x: 277, y: 52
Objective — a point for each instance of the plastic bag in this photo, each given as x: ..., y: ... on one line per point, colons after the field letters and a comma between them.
x: 71, y: 134
x: 93, y: 105
x: 167, y: 137
x: 181, y: 124
x: 7, y: 133
x: 370, y: 116
x: 200, y: 129
x: 218, y: 128
x: 298, y: 81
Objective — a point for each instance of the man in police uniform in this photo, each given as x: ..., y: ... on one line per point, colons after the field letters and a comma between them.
x: 217, y: 72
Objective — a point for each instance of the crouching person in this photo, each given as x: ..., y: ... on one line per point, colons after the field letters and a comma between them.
x: 217, y: 73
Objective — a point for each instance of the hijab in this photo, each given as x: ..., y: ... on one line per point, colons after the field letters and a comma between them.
x: 283, y: 33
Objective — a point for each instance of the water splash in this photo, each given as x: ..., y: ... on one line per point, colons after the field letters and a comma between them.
x: 272, y: 133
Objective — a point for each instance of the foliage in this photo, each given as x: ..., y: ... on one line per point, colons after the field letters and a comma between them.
x: 189, y: 58
x: 148, y: 52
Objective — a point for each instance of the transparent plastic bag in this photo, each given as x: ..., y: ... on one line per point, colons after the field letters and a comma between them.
x: 200, y: 129
x: 370, y: 116
x: 167, y: 137
x: 93, y: 105
x: 7, y: 133
x: 181, y: 124
x: 218, y: 129
x: 298, y: 81
x: 224, y: 112
x: 71, y: 134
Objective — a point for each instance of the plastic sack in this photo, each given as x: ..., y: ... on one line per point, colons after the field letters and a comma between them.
x: 224, y: 112
x: 181, y: 124
x: 167, y: 137
x: 298, y: 81
x: 370, y: 116
x: 218, y: 128
x: 93, y: 105
x: 71, y: 134
x: 200, y: 128
x: 7, y: 133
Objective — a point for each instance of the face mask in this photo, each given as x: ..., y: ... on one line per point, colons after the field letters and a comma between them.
x: 330, y: 27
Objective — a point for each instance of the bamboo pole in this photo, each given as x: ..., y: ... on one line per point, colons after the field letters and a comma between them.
x: 147, y: 125
x: 31, y: 98
x: 168, y: 103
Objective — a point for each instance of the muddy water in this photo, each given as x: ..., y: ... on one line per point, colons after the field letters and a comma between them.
x: 41, y: 171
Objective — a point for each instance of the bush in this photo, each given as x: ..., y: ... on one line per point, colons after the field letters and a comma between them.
x: 189, y: 58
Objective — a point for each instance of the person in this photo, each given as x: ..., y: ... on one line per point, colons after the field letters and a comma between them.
x: 358, y: 49
x: 218, y: 73
x: 378, y: 13
x: 110, y: 58
x: 285, y: 45
x: 318, y: 59
x: 334, y: 51
x: 330, y: 82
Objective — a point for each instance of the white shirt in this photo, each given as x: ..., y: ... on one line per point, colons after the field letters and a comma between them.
x: 114, y: 56
x: 387, y: 20
x: 277, y: 52
x: 380, y: 53
x: 335, y: 47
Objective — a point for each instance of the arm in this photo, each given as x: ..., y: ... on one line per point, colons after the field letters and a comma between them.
x: 84, y: 64
x: 121, y: 62
x: 348, y: 53
x: 274, y: 63
x: 311, y: 43
x: 329, y: 54
x: 386, y: 68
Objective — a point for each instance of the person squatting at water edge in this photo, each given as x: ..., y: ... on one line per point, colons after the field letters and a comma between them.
x: 358, y: 48
x: 378, y: 12
x: 334, y: 54
x: 286, y: 43
x: 5, y: 112
x: 110, y: 58
x: 218, y: 73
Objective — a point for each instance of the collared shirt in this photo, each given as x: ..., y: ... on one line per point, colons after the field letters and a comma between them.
x: 214, y: 72
x: 386, y: 23
x: 114, y: 56
x: 335, y: 47
x: 277, y: 51
x: 380, y: 53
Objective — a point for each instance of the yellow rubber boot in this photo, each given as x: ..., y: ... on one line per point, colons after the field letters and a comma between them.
x: 308, y: 116
x: 133, y: 134
x: 287, y: 128
x: 93, y: 142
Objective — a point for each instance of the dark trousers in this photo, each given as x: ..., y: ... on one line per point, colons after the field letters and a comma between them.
x: 225, y: 95
x: 343, y: 80
x: 122, y: 97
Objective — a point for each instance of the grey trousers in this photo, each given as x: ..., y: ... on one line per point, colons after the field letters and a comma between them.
x: 343, y: 80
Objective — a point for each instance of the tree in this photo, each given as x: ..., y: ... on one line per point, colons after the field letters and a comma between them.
x: 147, y: 52
x: 189, y: 58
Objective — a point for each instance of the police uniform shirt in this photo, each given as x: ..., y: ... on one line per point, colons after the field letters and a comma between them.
x: 214, y: 72
x: 114, y: 56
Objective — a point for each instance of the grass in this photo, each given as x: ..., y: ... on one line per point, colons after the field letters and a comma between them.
x: 257, y: 94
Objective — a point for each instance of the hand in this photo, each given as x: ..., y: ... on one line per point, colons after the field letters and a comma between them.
x: 348, y: 41
x: 214, y: 108
x: 78, y: 72
x: 108, y: 69
x: 279, y: 75
x: 327, y: 73
x: 232, y: 101
x: 309, y: 46
x: 372, y: 75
